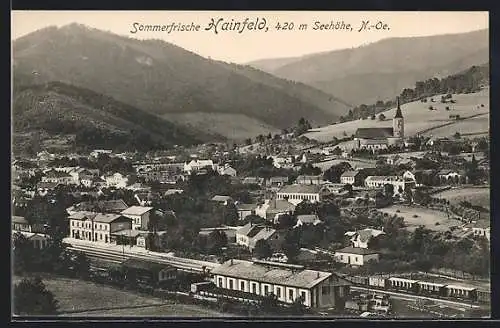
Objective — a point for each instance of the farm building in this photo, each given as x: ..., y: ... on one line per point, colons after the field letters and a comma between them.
x: 356, y: 256
x: 317, y: 289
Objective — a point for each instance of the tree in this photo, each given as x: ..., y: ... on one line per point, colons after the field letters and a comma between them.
x: 23, y: 253
x: 269, y: 303
x: 388, y: 190
x: 82, y: 265
x: 32, y: 298
x: 262, y: 249
x: 457, y: 135
x: 381, y: 117
x: 373, y: 117
x: 291, y: 245
x: 217, y: 239
x: 285, y: 221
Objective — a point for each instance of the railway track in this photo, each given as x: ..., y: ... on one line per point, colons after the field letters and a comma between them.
x: 114, y: 255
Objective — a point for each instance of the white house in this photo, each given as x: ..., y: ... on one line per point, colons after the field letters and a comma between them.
x: 348, y: 177
x: 116, y: 180
x: 316, y: 289
x: 271, y: 209
x: 97, y: 227
x: 245, y: 210
x: 310, y: 180
x: 37, y: 240
x: 226, y: 170
x: 481, y: 229
x: 282, y: 162
x: 408, y: 175
x: 196, y: 165
x: 58, y: 177
x: 140, y: 216
x: 361, y: 238
x: 355, y: 256
x: 307, y: 219
x: 296, y: 193
x: 397, y: 182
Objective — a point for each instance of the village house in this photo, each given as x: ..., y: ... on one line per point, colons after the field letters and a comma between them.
x: 356, y: 256
x: 250, y: 233
x: 245, y: 210
x: 273, y: 208
x: 19, y: 223
x: 282, y: 162
x: 306, y: 219
x: 410, y: 176
x: 96, y: 152
x: 349, y: 177
x: 309, y: 180
x: 97, y: 227
x: 399, y: 183
x: 140, y: 216
x: 481, y: 229
x: 317, y: 289
x: 116, y: 180
x: 450, y: 177
x: 43, y: 188
x: 226, y: 170
x: 223, y: 200
x: 138, y: 187
x: 58, y: 177
x: 37, y: 240
x: 276, y: 182
x: 171, y: 192
x: 295, y: 194
x: 197, y: 165
x: 361, y: 238
x: 253, y: 180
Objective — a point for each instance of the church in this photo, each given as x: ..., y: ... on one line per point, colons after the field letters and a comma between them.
x: 381, y: 138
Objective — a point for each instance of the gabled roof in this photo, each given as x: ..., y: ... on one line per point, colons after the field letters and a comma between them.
x: 281, y: 205
x: 274, y: 274
x: 82, y: 215
x: 356, y: 250
x: 117, y: 205
x: 349, y: 174
x: 136, y: 210
x: 249, y: 230
x: 300, y: 189
x: 19, y: 220
x: 47, y: 185
x: 374, y: 133
x: 264, y: 233
x: 308, y: 218
x: 107, y: 218
x: 56, y: 174
x: 219, y: 198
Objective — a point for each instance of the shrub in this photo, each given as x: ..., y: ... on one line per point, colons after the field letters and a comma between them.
x: 415, y: 215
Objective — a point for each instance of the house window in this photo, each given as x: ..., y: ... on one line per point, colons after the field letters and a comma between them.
x: 303, y: 295
x: 254, y: 288
x: 278, y: 292
x: 100, y: 236
x: 290, y: 294
x: 220, y: 282
x: 266, y: 289
x: 230, y: 283
x: 242, y: 286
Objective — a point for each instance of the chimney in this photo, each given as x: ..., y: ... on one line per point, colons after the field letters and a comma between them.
x: 317, y: 277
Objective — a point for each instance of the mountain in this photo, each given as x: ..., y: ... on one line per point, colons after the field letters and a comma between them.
x: 93, y: 119
x: 170, y: 82
x: 379, y: 71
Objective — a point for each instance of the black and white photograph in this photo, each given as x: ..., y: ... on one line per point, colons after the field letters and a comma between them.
x: 250, y: 164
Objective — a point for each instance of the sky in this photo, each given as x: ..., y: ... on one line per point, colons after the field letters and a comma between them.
x: 250, y: 45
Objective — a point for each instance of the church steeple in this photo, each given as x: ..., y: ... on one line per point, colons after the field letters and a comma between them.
x: 398, y: 110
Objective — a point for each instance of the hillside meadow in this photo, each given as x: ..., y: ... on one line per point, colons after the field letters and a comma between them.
x: 419, y: 119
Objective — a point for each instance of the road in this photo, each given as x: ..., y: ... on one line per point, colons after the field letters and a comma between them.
x: 410, y: 297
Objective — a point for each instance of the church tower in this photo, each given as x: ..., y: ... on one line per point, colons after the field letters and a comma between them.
x: 398, y: 123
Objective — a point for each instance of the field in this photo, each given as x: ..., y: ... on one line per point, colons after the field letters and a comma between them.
x: 77, y: 298
x: 356, y: 164
x: 476, y: 196
x: 419, y: 119
x: 426, y: 217
x: 231, y: 126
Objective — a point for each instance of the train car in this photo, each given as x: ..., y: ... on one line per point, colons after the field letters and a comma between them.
x: 377, y: 282
x: 402, y: 284
x: 483, y: 296
x: 358, y: 280
x: 431, y: 288
x: 461, y: 292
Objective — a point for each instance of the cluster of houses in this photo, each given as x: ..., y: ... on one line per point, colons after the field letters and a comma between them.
x: 113, y: 222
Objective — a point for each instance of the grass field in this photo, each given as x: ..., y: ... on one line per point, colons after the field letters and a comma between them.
x: 81, y: 298
x: 476, y: 196
x: 232, y: 126
x: 419, y: 118
x: 426, y: 217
